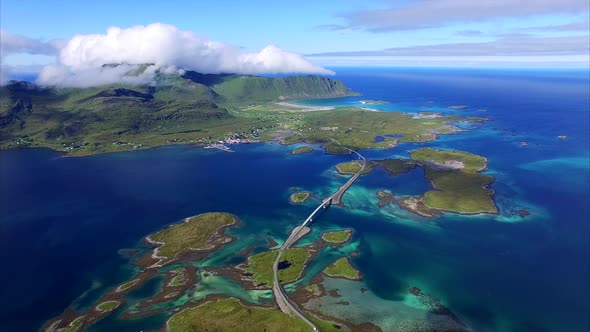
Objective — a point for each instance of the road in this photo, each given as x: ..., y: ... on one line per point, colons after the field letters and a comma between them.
x: 337, y: 197
x: 281, y: 297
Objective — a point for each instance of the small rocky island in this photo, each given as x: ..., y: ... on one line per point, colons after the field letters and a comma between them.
x: 337, y: 237
x: 200, y: 233
x: 179, y: 246
x: 457, y: 184
x: 342, y: 269
x: 259, y: 271
x: 352, y: 167
x: 299, y: 197
x: 302, y: 150
x: 457, y: 181
x: 172, y: 257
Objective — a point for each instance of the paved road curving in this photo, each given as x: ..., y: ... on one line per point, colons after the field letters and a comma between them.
x: 281, y: 297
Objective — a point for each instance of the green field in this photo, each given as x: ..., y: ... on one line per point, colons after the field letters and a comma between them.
x: 357, y: 128
x: 302, y: 150
x: 353, y: 167
x: 299, y: 197
x: 334, y: 148
x: 472, y: 162
x: 194, y: 233
x: 231, y: 315
x: 260, y: 265
x: 324, y: 326
x: 192, y: 108
x: 462, y: 190
x: 108, y: 306
x: 342, y: 268
x: 395, y: 166
x: 197, y: 109
x: 337, y: 237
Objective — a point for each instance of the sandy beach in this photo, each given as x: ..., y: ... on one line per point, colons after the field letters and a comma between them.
x: 303, y: 108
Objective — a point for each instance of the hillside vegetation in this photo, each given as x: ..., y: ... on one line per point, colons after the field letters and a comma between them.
x: 192, y: 234
x: 231, y: 315
x: 290, y: 268
x: 123, y: 117
x: 196, y: 108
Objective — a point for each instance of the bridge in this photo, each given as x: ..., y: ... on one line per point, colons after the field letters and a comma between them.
x: 337, y: 197
x: 281, y: 297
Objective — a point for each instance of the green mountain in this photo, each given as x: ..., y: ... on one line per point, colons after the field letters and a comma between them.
x: 67, y: 118
x: 259, y: 89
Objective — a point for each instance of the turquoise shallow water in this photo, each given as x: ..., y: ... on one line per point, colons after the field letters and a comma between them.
x: 65, y: 219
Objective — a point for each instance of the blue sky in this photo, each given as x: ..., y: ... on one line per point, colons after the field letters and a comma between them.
x: 329, y: 32
x: 299, y: 26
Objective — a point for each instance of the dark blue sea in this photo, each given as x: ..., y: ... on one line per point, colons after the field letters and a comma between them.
x: 64, y: 221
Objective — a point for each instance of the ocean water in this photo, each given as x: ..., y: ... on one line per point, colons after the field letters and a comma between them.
x: 64, y: 220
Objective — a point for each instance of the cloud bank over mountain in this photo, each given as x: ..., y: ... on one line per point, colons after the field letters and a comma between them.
x: 81, y: 60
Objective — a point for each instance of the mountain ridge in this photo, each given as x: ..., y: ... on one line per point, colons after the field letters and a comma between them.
x: 32, y: 115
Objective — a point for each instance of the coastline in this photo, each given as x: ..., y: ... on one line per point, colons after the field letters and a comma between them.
x: 217, y: 239
x: 478, y: 171
x: 305, y: 108
x: 223, y: 144
x: 476, y: 243
x: 150, y: 264
x: 370, y: 109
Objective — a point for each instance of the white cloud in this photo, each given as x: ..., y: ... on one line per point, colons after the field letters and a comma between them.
x: 64, y: 76
x: 418, y: 14
x: 81, y: 59
x: 583, y: 26
x: 506, y: 61
x: 14, y: 44
x: 513, y: 45
x: 509, y: 51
